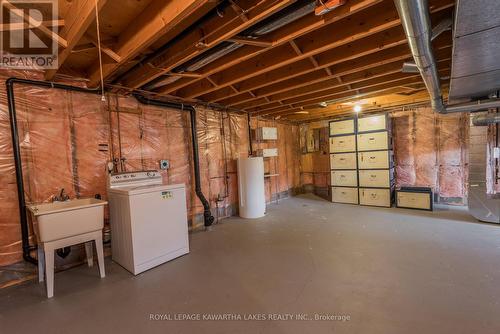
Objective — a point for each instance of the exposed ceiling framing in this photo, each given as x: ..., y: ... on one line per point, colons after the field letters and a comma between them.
x: 272, y: 58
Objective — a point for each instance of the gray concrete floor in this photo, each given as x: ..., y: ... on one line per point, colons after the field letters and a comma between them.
x: 389, y: 270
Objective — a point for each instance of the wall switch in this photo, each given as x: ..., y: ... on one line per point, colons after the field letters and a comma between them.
x: 164, y: 164
x: 496, y: 152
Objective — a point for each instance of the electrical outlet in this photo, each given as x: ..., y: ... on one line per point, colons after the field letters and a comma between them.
x: 164, y: 164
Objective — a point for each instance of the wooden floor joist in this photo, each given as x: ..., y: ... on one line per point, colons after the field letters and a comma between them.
x: 213, y: 51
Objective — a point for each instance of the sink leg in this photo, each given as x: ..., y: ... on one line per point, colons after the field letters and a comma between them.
x: 100, y: 255
x: 41, y: 263
x: 90, y: 253
x: 49, y: 270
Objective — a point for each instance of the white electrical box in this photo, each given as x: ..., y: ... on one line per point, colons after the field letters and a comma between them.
x: 267, y: 133
x: 267, y: 152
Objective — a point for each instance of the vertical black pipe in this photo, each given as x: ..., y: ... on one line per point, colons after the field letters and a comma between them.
x: 19, y: 172
x: 207, y: 214
x: 17, y: 152
x: 208, y: 218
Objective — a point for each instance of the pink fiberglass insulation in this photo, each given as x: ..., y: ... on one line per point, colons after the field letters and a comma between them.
x: 67, y: 139
x: 430, y: 151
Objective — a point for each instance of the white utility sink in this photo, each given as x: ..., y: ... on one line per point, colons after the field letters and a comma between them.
x: 59, y: 220
x: 63, y: 224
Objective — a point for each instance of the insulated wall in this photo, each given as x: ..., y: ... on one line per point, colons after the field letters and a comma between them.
x: 315, y: 171
x: 67, y: 138
x: 430, y: 150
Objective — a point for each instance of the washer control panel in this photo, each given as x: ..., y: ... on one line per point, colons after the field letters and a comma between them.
x: 137, y: 178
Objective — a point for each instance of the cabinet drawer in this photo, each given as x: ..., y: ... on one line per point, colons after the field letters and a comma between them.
x: 345, y: 195
x: 373, y: 123
x: 376, y: 178
x: 414, y: 200
x: 375, y: 197
x: 373, y: 141
x: 343, y: 161
x: 343, y: 144
x: 343, y: 127
x: 345, y: 178
x: 375, y: 160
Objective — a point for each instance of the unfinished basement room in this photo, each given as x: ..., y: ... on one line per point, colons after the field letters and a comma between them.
x: 250, y: 166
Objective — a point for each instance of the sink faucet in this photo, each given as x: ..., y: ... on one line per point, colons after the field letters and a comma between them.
x: 61, y: 198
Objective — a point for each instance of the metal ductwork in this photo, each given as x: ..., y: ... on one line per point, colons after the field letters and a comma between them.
x: 293, y: 12
x: 415, y: 19
x: 486, y: 119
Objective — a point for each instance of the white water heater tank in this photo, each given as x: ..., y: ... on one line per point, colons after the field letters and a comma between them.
x: 251, y: 187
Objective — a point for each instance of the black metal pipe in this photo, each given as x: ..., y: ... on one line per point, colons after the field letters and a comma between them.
x: 208, y: 218
x: 17, y: 153
x: 207, y: 214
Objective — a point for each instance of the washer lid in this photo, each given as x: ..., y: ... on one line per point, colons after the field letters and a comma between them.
x: 136, y: 190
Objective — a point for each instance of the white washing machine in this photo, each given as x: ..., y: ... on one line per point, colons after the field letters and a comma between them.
x: 148, y: 220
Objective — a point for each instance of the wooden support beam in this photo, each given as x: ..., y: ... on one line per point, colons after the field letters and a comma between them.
x: 107, y: 50
x: 24, y: 26
x: 391, y: 99
x: 360, y: 64
x: 250, y: 41
x: 347, y: 80
x: 281, y: 36
x: 373, y: 85
x: 156, y: 20
x: 34, y: 23
x: 382, y: 43
x: 388, y: 44
x: 214, y: 31
x: 81, y: 14
x: 374, y: 20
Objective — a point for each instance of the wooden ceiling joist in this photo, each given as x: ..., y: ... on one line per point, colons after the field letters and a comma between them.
x: 154, y: 22
x: 387, y: 81
x: 194, y: 43
x: 80, y: 15
x: 30, y: 21
x: 361, y: 64
x: 281, y: 36
x: 385, y: 38
x: 24, y: 26
x: 373, y: 20
x: 215, y: 51
x: 350, y: 76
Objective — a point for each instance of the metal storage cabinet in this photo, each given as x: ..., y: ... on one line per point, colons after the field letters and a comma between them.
x: 414, y: 198
x: 375, y: 197
x: 375, y: 160
x: 343, y: 144
x: 382, y: 178
x: 344, y: 178
x: 345, y: 195
x: 343, y: 161
x: 342, y: 127
x: 373, y: 123
x: 374, y: 141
